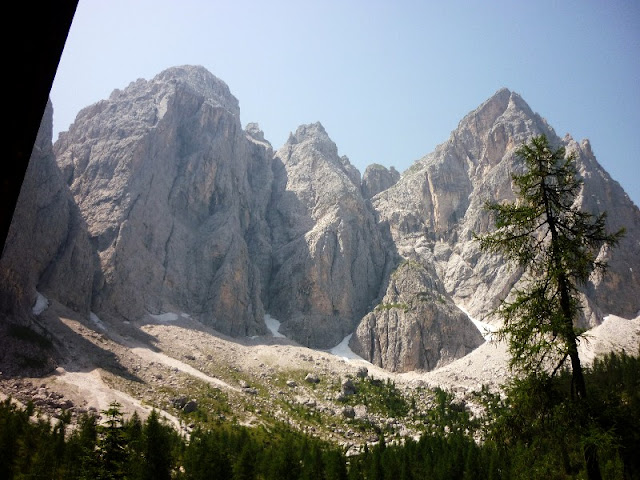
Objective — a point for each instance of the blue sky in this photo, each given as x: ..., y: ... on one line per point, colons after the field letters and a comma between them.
x: 389, y: 80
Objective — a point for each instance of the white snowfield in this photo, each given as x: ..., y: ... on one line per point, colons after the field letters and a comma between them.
x: 97, y: 322
x: 486, y: 329
x: 165, y: 317
x: 40, y: 305
x: 343, y: 351
x: 273, y: 325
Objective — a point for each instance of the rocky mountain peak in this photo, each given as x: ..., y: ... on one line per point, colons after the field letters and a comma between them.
x: 327, y: 260
x: 203, y: 83
x: 171, y: 186
x: 505, y: 119
x: 311, y: 145
x: 308, y: 131
x: 439, y: 203
x: 313, y: 136
x: 490, y: 109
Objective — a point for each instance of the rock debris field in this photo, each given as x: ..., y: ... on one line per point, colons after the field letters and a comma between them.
x: 180, y: 367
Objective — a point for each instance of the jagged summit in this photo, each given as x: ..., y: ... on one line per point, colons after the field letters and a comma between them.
x: 309, y: 132
x: 313, y: 142
x: 202, y: 82
x: 377, y: 178
x: 501, y: 109
x: 153, y: 94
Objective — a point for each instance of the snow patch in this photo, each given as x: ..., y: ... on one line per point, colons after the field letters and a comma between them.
x: 486, y: 329
x: 273, y: 325
x: 343, y: 351
x: 41, y: 304
x: 165, y: 317
x: 98, y: 323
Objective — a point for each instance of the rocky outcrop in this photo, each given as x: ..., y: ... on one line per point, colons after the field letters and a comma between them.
x: 174, y: 193
x: 328, y: 258
x: 378, y: 178
x: 416, y: 326
x: 47, y: 248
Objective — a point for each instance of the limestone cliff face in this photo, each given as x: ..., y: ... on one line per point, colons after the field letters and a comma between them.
x: 171, y: 188
x: 437, y: 205
x: 47, y: 247
x: 328, y: 259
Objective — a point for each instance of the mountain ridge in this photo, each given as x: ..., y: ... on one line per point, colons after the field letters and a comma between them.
x: 199, y: 216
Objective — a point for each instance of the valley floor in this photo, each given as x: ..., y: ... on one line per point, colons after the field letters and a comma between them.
x: 194, y: 375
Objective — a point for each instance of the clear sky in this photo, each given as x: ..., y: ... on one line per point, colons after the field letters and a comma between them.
x: 389, y: 80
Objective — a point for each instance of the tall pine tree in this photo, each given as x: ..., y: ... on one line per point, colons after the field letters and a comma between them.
x: 545, y: 233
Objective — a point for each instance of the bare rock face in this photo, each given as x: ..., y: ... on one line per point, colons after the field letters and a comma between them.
x: 47, y: 252
x: 416, y: 326
x: 47, y: 248
x: 378, y: 178
x: 328, y: 258
x: 439, y: 202
x: 174, y: 192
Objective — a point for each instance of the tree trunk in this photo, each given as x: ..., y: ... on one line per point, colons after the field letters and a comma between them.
x: 577, y: 377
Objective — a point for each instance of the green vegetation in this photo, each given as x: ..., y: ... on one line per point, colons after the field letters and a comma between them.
x: 543, y: 433
x: 431, y: 297
x: 388, y: 306
x: 379, y: 397
x: 528, y: 434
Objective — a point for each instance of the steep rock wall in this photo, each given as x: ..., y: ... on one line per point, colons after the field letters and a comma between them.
x: 166, y: 179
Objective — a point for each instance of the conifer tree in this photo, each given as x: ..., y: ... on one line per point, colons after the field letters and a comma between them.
x: 112, y: 453
x: 81, y: 448
x: 557, y: 245
x: 244, y: 467
x: 157, y: 455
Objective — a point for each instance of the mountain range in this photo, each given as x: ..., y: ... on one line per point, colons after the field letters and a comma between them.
x: 157, y: 201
